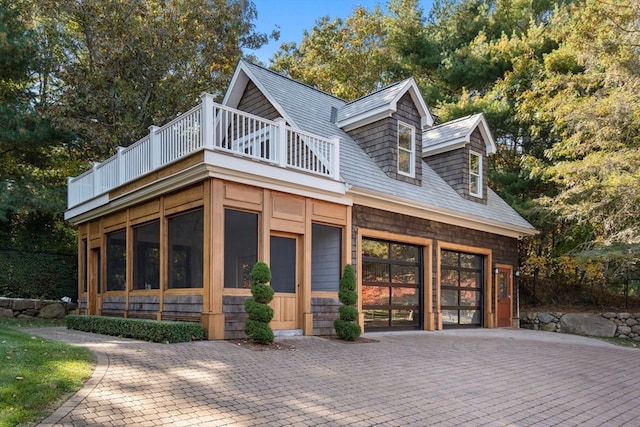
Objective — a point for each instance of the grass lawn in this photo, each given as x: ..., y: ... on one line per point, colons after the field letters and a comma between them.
x: 36, y: 374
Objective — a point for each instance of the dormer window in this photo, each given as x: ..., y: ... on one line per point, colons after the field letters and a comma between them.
x: 406, y: 149
x: 475, y: 174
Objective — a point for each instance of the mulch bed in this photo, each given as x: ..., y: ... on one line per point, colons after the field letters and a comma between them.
x: 358, y: 340
x: 254, y: 346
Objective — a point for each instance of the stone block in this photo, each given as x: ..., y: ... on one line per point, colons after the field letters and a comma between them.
x: 635, y: 329
x: 532, y: 317
x: 23, y: 304
x: 609, y: 315
x: 624, y: 330
x: 624, y: 316
x: 631, y: 322
x: 546, y: 317
x: 587, y: 324
x: 5, y: 302
x: 549, y: 327
x: 53, y: 311
x: 6, y: 313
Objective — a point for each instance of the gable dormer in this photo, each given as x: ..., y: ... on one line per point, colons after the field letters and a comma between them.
x: 458, y: 151
x: 387, y: 125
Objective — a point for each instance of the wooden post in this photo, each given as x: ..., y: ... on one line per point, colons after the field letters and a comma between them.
x: 156, y: 150
x: 335, y: 158
x: 207, y: 120
x: 121, y: 168
x: 281, y: 141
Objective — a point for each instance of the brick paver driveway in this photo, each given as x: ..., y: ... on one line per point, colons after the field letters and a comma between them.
x: 449, y: 378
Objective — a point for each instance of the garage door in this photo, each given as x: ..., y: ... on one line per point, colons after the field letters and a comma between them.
x: 461, y: 285
x: 391, y: 285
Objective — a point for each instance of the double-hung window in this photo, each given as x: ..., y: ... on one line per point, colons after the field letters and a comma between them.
x: 406, y: 149
x: 475, y: 174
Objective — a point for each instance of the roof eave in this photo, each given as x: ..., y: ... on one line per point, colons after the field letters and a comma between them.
x: 384, y: 201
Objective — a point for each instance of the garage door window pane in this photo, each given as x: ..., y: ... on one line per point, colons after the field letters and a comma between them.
x: 469, y: 298
x: 404, y: 296
x: 375, y: 295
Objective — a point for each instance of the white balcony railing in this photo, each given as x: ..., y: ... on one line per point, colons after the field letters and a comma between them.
x: 214, y: 127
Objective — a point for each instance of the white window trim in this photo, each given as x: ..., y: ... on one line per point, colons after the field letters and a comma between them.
x: 412, y: 152
x: 479, y: 175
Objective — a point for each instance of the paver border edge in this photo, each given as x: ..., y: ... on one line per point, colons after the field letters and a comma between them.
x: 102, y: 365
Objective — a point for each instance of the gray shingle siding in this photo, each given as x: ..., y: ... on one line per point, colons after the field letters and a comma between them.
x: 380, y: 140
x: 453, y: 167
x: 504, y: 249
x: 254, y: 102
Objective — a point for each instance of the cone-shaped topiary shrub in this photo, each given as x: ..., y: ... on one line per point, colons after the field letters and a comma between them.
x: 346, y: 326
x: 257, y: 308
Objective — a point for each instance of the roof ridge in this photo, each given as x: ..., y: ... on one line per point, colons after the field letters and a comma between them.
x: 459, y: 119
x: 292, y: 79
x: 390, y: 85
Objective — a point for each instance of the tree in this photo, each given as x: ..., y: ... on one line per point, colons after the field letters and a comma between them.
x: 129, y: 64
x: 371, y: 42
x: 35, y: 245
x: 590, y: 93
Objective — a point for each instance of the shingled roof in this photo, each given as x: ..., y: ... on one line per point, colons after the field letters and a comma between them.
x: 455, y: 134
x: 382, y: 103
x: 309, y: 109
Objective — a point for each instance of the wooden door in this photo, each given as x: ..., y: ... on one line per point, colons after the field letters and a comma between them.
x: 504, y: 291
x: 285, y: 281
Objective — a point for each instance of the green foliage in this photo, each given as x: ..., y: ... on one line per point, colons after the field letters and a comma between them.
x: 346, y: 330
x: 348, y: 281
x: 348, y: 313
x: 363, y: 41
x: 25, y: 274
x: 260, y: 332
x: 346, y: 326
x: 130, y: 64
x: 147, y: 330
x: 36, y: 373
x: 347, y: 296
x: 258, y: 311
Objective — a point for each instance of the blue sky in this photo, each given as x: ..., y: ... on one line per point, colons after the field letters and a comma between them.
x: 295, y: 16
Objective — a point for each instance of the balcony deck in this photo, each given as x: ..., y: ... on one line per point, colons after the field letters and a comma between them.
x: 214, y: 127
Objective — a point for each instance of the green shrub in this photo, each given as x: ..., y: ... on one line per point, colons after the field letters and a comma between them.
x: 261, y: 274
x: 262, y: 294
x: 346, y: 326
x: 348, y: 313
x: 258, y: 312
x: 147, y: 330
x: 40, y: 275
x: 261, y: 312
x: 347, y: 331
x: 262, y: 333
x: 347, y: 297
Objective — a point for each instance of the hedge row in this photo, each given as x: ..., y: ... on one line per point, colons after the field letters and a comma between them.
x: 147, y: 330
x: 37, y: 275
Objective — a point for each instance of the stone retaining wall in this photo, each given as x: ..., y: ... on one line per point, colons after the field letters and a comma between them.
x: 29, y: 308
x: 620, y: 325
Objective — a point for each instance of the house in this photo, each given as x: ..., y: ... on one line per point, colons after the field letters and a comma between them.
x: 170, y: 227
